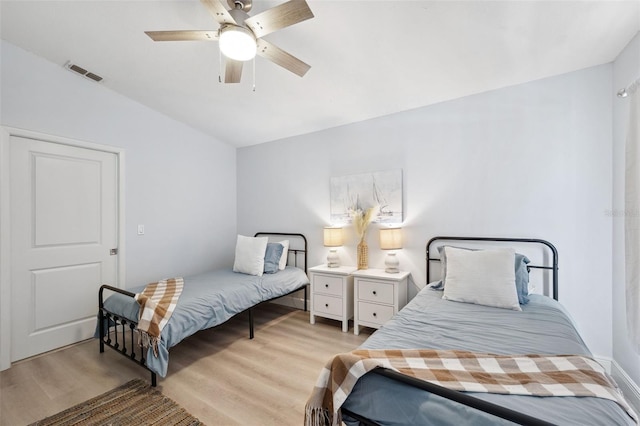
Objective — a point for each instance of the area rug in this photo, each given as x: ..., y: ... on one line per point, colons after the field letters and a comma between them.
x: 134, y: 403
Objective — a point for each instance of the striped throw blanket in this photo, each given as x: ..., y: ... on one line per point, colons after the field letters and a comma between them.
x: 157, y: 302
x: 537, y: 375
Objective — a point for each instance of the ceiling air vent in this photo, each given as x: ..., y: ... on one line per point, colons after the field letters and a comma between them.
x: 82, y: 71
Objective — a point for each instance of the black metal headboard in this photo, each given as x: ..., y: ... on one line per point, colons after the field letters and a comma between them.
x: 554, y: 258
x: 293, y: 246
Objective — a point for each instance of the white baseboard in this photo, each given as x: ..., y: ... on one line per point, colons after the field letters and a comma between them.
x: 629, y: 388
x: 605, y: 362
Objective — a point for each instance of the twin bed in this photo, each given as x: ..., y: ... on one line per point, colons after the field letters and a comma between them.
x: 386, y: 397
x: 207, y: 300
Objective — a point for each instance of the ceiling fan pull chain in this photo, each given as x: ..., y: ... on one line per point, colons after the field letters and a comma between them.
x: 254, y: 73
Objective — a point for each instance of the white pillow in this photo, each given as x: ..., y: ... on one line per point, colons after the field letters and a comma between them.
x: 484, y: 277
x: 250, y: 253
x: 284, y: 257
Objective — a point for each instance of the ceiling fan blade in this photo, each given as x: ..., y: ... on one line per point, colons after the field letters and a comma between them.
x: 218, y: 11
x: 182, y: 35
x: 232, y: 71
x: 280, y: 57
x: 279, y: 17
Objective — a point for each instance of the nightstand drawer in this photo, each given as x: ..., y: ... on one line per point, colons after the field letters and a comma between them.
x: 371, y: 312
x: 327, y: 284
x: 375, y: 291
x: 327, y: 304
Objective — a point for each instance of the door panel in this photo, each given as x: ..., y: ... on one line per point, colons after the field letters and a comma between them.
x: 46, y: 285
x: 63, y: 223
x: 67, y: 196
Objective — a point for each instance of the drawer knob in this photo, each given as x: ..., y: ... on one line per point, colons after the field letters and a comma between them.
x: 326, y: 305
x: 326, y: 285
x: 374, y: 292
x: 375, y: 315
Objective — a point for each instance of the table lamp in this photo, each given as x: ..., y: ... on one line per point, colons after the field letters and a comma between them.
x: 333, y: 238
x: 391, y: 239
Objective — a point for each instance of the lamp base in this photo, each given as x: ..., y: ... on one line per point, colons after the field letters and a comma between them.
x: 391, y: 264
x: 333, y: 260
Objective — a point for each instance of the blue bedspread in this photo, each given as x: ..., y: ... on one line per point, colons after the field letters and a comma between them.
x: 428, y: 321
x: 208, y: 300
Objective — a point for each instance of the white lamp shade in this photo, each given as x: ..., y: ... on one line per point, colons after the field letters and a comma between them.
x: 333, y: 237
x: 390, y: 238
x: 237, y: 43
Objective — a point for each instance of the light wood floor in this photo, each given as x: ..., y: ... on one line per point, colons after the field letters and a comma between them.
x: 218, y: 375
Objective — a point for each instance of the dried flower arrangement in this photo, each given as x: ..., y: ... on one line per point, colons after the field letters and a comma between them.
x: 361, y: 221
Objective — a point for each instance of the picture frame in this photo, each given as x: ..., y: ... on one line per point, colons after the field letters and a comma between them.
x: 365, y: 190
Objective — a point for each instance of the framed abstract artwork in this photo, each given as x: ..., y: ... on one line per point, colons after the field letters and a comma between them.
x: 362, y: 191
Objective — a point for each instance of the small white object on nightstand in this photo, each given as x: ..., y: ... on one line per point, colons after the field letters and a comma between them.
x: 379, y: 295
x: 332, y: 293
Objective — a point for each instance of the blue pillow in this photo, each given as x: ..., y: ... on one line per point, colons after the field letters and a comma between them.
x: 272, y: 257
x: 522, y: 278
x: 522, y: 275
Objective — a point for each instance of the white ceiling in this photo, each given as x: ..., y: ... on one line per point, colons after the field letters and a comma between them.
x: 368, y: 58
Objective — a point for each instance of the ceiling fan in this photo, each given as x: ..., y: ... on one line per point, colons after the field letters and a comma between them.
x: 240, y: 35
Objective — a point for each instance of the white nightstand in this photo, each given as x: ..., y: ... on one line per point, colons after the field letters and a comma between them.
x: 378, y: 297
x: 332, y: 293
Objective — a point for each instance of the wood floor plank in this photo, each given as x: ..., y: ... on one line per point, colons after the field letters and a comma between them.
x: 218, y: 375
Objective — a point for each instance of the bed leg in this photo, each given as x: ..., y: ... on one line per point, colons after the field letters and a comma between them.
x: 102, y: 333
x: 154, y: 380
x: 250, y: 323
x: 305, y: 297
x: 101, y: 319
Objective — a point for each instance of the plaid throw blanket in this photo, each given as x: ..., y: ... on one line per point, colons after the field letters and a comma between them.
x: 157, y: 302
x: 538, y: 375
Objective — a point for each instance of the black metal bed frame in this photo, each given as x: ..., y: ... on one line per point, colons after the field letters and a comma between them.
x: 554, y: 259
x: 123, y: 326
x: 461, y: 397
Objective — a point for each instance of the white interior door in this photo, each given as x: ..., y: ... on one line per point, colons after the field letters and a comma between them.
x: 64, y: 216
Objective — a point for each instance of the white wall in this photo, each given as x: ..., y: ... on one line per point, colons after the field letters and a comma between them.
x: 533, y: 160
x: 179, y: 182
x: 626, y: 69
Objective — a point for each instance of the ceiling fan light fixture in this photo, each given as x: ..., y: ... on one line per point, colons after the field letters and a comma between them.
x: 237, y: 43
